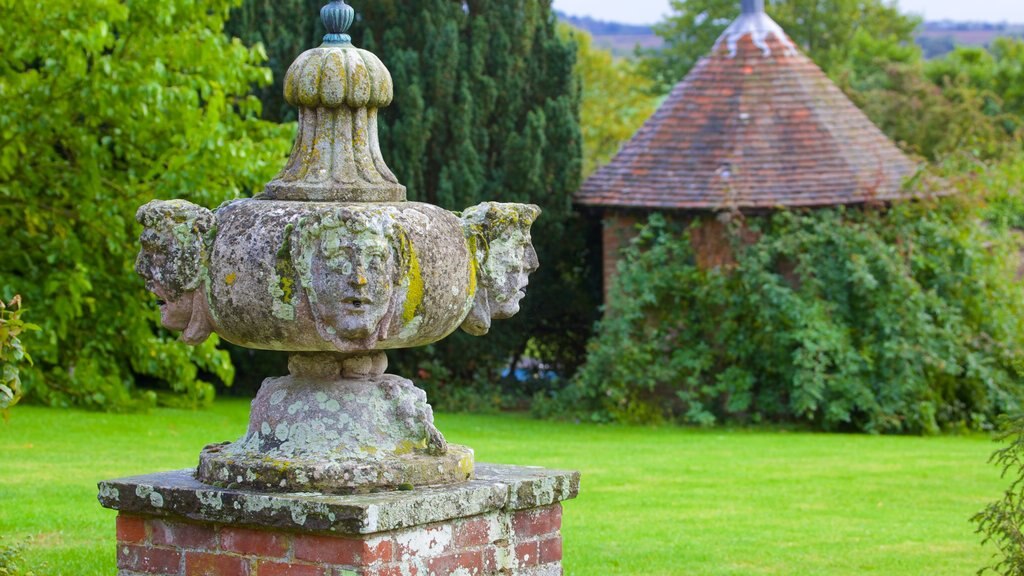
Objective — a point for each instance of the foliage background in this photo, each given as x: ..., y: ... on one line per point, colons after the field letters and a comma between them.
x: 106, y: 105
x: 857, y: 319
x: 12, y: 352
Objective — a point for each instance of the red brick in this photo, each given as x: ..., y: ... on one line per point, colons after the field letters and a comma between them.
x: 328, y: 550
x: 490, y: 559
x: 148, y: 559
x: 438, y: 542
x: 528, y: 553
x: 473, y: 562
x: 382, y: 551
x: 394, y: 571
x: 539, y: 521
x: 254, y: 542
x: 205, y: 564
x: 472, y: 533
x: 442, y: 564
x: 131, y: 529
x: 551, y: 550
x: 182, y: 535
x: 282, y: 569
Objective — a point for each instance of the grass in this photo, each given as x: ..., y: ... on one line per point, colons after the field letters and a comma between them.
x: 654, y: 501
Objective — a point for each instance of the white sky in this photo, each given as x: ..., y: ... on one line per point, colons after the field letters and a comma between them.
x: 650, y: 11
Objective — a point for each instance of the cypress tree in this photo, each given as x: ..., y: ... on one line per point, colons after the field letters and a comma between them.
x: 486, y: 108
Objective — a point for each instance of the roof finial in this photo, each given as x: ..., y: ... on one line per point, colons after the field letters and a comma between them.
x: 753, y: 6
x: 338, y: 17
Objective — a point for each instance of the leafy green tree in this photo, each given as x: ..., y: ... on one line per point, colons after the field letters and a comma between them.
x: 856, y: 319
x: 824, y: 29
x: 486, y: 108
x: 12, y: 352
x: 616, y: 99
x: 936, y: 108
x: 996, y: 72
x: 104, y: 105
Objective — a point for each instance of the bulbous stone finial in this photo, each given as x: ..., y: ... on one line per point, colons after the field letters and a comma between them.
x: 337, y: 17
x: 338, y: 89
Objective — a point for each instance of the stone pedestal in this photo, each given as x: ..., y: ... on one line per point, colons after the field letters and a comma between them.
x: 505, y: 522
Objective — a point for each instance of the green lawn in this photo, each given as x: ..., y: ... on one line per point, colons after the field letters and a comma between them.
x: 654, y: 501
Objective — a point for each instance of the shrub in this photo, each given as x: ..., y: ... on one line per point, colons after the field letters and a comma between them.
x: 905, y: 319
x: 1000, y: 522
x: 12, y: 352
x: 10, y: 559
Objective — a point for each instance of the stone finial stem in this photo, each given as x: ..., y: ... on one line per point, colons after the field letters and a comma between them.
x: 753, y: 6
x: 332, y: 366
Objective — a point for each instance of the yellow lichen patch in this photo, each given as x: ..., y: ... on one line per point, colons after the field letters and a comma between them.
x: 230, y: 279
x: 286, y: 289
x: 466, y: 466
x: 473, y: 265
x: 371, y: 450
x: 408, y: 446
x: 414, y: 297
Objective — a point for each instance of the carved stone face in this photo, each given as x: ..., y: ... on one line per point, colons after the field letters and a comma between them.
x: 505, y: 257
x: 352, y: 276
x: 510, y: 261
x: 349, y: 267
x: 171, y: 263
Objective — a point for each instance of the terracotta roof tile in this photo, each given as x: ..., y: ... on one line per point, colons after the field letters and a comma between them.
x: 752, y: 130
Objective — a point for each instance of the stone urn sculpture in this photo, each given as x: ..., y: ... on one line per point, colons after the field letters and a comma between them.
x: 332, y: 264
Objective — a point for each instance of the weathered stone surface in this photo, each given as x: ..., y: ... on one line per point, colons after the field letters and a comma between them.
x: 312, y: 276
x: 338, y: 90
x: 499, y: 235
x: 337, y: 425
x: 173, y: 261
x: 308, y: 276
x: 496, y: 487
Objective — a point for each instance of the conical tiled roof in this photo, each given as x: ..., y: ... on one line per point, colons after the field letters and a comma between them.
x: 756, y: 124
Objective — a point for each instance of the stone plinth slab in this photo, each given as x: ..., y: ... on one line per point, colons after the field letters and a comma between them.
x: 505, y: 522
x: 496, y: 487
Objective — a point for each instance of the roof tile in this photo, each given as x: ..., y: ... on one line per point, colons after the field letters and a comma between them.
x: 755, y: 129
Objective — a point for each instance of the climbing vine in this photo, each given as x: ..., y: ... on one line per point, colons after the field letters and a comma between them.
x: 898, y: 320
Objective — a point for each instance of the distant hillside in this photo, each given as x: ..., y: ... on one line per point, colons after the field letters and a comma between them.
x: 620, y: 39
x: 936, y: 38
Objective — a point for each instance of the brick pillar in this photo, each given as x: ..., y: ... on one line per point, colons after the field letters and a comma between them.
x: 506, y: 522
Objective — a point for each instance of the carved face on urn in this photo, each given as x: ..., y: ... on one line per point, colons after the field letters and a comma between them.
x: 172, y: 261
x: 505, y: 259
x: 350, y: 269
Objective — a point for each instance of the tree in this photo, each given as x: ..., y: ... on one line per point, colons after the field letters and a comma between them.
x: 824, y: 29
x: 486, y: 108
x: 936, y: 108
x: 105, y: 105
x: 616, y: 99
x: 12, y: 352
x: 996, y: 72
x: 285, y: 28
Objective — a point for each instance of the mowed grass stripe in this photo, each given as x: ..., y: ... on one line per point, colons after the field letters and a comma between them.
x: 654, y: 501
